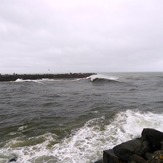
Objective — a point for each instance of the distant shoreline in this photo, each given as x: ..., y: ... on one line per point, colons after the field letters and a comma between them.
x: 14, y: 77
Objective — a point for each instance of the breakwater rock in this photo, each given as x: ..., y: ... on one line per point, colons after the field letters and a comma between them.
x: 146, y: 149
x: 14, y: 77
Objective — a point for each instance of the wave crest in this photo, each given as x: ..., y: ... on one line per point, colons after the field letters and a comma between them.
x: 101, y: 77
x: 28, y: 80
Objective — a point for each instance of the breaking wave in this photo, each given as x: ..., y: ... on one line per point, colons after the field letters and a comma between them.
x: 41, y: 81
x: 28, y: 80
x: 84, y: 145
x: 101, y: 77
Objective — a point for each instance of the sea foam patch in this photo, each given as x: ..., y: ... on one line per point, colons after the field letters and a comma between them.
x: 85, y: 145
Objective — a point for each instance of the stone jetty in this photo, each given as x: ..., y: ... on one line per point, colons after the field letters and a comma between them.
x: 13, y: 77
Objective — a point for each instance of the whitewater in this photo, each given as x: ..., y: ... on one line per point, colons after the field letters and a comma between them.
x: 73, y: 121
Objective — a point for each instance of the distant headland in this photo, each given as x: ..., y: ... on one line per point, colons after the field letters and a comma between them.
x: 13, y: 77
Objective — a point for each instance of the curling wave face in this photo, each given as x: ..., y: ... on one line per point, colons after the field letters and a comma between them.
x: 101, y: 77
x: 85, y: 144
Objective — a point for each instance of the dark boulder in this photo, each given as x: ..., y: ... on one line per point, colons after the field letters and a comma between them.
x: 153, y: 137
x: 146, y: 149
x: 110, y: 157
x: 125, y: 150
x: 136, y: 159
x: 161, y: 145
x: 148, y: 155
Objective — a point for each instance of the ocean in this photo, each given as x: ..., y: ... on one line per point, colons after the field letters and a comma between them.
x: 74, y: 120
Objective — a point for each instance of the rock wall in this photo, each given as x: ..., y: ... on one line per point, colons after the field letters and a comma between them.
x: 41, y: 76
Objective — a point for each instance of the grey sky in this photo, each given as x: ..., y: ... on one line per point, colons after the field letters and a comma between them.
x: 80, y: 36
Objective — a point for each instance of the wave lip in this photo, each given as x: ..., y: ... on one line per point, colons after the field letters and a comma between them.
x: 101, y: 77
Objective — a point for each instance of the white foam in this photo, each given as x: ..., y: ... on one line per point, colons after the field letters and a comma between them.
x: 21, y: 128
x: 86, y: 144
x: 28, y: 80
x: 51, y: 80
x: 78, y: 79
x: 19, y: 80
x: 45, y: 80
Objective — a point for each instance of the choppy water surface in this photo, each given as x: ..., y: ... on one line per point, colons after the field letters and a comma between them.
x: 73, y: 121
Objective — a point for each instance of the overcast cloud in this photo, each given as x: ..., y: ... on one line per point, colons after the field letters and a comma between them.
x: 56, y: 36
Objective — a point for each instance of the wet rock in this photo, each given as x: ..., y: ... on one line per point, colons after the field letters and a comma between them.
x: 136, y: 159
x: 147, y: 149
x: 161, y: 145
x: 153, y: 137
x: 110, y: 157
x: 148, y: 156
x: 125, y: 150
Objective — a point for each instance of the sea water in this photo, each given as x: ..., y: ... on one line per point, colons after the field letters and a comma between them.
x: 74, y: 120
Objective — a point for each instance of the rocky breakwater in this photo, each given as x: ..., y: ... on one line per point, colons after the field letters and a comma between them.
x: 14, y: 77
x: 146, y: 149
